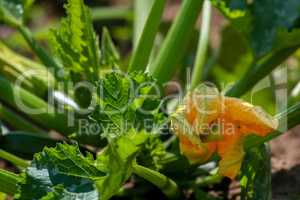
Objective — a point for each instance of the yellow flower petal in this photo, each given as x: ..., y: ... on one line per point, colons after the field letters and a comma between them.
x: 249, y: 118
x: 196, y: 153
x: 231, y: 160
x: 202, y: 107
x: 194, y: 123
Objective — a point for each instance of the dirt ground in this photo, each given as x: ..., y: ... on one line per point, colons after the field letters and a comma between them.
x: 286, y: 166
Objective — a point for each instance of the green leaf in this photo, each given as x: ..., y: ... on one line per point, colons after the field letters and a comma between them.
x: 13, y: 12
x: 233, y: 59
x: 273, y: 36
x: 60, y: 173
x: 281, y: 18
x: 256, y: 175
x: 124, y: 103
x: 164, y: 66
x: 76, y: 44
x: 59, y: 193
x: 109, y: 55
x: 143, y: 50
x: 116, y: 160
x: 234, y: 50
x: 266, y: 32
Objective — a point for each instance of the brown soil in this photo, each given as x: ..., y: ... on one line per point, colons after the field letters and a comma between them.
x: 286, y: 166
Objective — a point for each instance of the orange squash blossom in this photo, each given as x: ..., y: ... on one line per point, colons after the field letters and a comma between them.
x: 207, y: 123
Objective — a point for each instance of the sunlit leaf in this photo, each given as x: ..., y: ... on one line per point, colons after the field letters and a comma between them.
x: 76, y: 43
x: 59, y: 173
x: 116, y: 160
x: 124, y: 103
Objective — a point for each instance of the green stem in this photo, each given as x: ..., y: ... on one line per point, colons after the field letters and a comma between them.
x: 46, y: 59
x: 34, y: 107
x: 164, y: 66
x: 142, y: 52
x: 19, y: 162
x: 17, y: 121
x: 13, y: 65
x: 141, y: 10
x: 8, y: 182
x: 202, y: 45
x: 166, y: 185
x: 112, y: 13
x: 260, y: 70
x: 210, y: 180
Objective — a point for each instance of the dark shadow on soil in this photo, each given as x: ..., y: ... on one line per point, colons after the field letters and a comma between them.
x: 286, y: 184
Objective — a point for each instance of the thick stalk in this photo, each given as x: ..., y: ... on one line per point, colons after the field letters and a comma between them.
x: 34, y: 107
x: 19, y: 162
x: 8, y: 182
x: 35, y: 77
x: 143, y: 49
x: 141, y: 11
x: 166, y: 185
x: 112, y: 13
x: 210, y: 180
x: 202, y: 45
x: 164, y: 66
x: 18, y: 122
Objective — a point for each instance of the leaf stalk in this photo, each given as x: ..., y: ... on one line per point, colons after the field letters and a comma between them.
x: 167, y: 186
x: 19, y: 162
x: 202, y: 45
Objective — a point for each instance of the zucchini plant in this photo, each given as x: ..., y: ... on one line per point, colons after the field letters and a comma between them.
x: 80, y: 122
